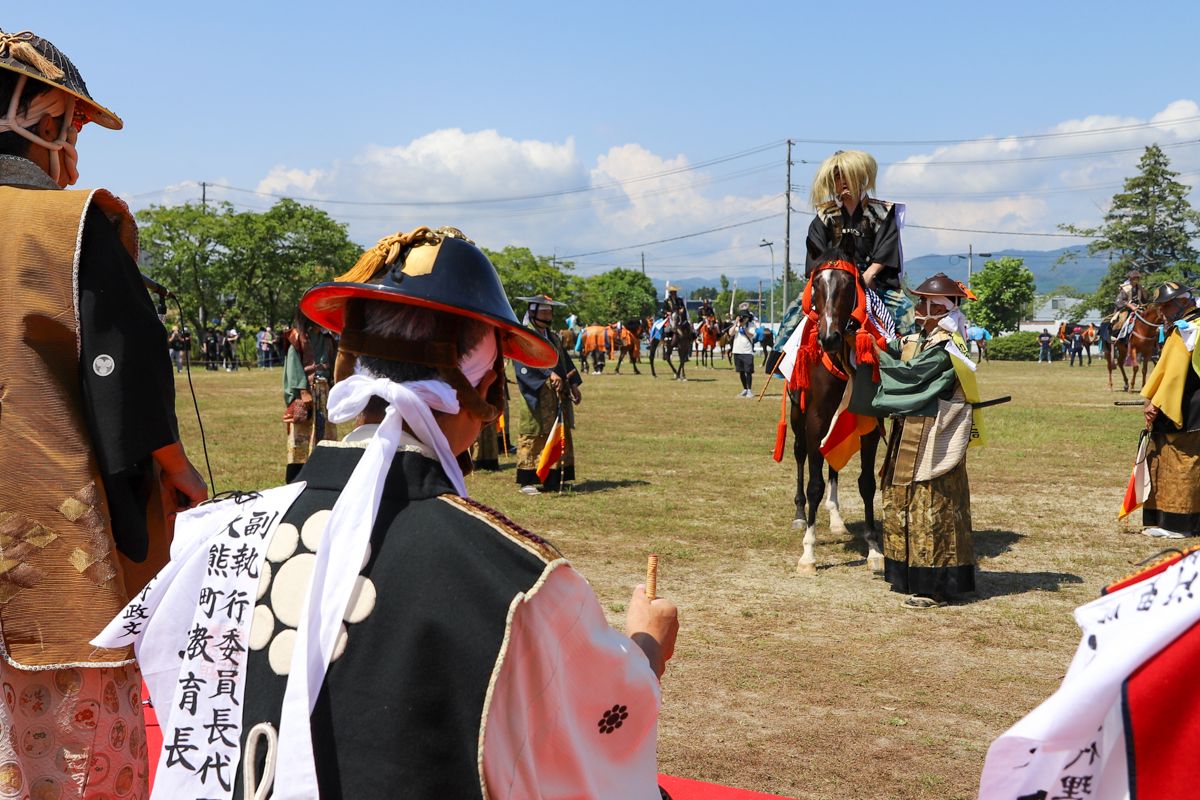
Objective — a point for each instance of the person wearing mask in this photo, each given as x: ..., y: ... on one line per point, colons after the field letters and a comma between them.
x: 94, y: 468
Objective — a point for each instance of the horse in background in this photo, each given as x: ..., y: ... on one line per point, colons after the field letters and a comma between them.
x: 833, y: 293
x: 1141, y: 346
x: 679, y: 340
x: 629, y: 343
x: 710, y: 333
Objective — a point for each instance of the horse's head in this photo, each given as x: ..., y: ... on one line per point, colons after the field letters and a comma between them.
x: 834, y: 299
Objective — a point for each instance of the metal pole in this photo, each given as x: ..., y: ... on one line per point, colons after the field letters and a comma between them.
x: 643, y: 262
x: 787, y: 227
x: 970, y: 262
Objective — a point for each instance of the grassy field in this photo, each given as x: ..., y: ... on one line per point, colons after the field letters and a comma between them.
x: 820, y: 686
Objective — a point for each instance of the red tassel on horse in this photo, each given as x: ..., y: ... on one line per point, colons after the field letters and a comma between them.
x: 864, y: 352
x: 781, y: 429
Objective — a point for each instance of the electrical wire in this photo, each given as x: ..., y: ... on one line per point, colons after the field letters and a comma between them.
x: 187, y: 361
x: 1022, y: 138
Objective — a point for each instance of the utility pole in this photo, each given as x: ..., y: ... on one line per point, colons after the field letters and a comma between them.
x: 970, y: 263
x: 204, y: 196
x: 787, y: 227
x: 643, y: 262
x: 760, y: 298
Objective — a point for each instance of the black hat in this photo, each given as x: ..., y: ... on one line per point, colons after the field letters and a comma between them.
x: 1169, y: 291
x: 32, y: 56
x: 441, y: 270
x: 540, y: 300
x: 940, y: 285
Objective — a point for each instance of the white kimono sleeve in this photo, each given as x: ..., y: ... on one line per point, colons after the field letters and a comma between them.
x: 572, y: 710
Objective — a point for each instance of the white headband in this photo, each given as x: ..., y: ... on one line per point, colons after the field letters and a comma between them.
x: 350, y: 525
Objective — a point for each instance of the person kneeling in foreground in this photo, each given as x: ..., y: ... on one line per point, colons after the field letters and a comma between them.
x: 406, y: 641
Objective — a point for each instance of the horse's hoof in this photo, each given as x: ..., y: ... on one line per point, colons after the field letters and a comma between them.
x: 839, y: 528
x: 806, y: 568
x: 875, y: 563
x: 797, y: 524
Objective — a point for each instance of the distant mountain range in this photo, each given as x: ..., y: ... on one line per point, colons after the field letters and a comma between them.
x: 1083, y: 273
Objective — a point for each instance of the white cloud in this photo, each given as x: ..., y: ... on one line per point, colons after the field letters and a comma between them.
x: 637, y: 195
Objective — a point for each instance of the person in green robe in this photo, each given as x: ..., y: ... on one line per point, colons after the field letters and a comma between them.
x: 927, y: 547
x: 307, y: 377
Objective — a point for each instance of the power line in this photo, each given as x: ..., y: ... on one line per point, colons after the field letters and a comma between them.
x: 674, y: 238
x: 513, y: 198
x: 1026, y: 137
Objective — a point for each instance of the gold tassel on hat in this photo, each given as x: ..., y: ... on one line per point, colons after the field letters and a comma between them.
x: 17, y: 46
x: 385, y: 253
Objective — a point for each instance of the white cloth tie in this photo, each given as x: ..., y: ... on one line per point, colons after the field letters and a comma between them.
x: 344, y: 545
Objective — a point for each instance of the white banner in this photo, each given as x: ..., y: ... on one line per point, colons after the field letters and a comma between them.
x: 1073, y: 745
x: 190, y: 627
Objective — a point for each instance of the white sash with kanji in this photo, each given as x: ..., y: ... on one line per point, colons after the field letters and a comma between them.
x: 190, y: 628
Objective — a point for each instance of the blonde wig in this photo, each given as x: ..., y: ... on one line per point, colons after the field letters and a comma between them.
x: 857, y: 167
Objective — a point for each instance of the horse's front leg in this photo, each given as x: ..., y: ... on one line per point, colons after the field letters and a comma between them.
x: 816, y: 487
x: 837, y: 525
x: 866, y: 489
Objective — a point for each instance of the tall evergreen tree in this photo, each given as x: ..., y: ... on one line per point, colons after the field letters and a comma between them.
x: 1150, y: 226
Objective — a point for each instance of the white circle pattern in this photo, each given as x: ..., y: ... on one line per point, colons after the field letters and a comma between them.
x: 287, y: 585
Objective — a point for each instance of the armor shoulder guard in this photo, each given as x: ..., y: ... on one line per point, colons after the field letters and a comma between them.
x: 827, y: 211
x: 878, y: 210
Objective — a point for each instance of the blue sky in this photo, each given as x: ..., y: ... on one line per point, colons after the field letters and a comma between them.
x: 395, y: 102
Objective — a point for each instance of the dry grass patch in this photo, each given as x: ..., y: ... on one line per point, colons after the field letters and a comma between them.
x: 819, y: 687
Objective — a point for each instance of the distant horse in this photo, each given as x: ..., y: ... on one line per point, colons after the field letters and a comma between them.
x: 833, y: 296
x: 629, y: 343
x: 710, y: 333
x: 678, y: 339
x: 1086, y: 337
x: 1142, y: 346
x: 568, y: 337
x: 726, y: 343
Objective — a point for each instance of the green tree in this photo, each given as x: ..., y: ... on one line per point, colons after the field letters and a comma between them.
x: 618, y: 294
x: 277, y: 255
x: 1149, y: 225
x: 181, y: 250
x: 1006, y: 290
x: 706, y: 293
x: 525, y: 274
x: 246, y: 267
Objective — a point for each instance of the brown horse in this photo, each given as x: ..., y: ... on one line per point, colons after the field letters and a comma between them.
x: 833, y: 293
x: 629, y: 343
x: 1142, y: 346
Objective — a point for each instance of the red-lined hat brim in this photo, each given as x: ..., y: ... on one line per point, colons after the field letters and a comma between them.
x: 325, y: 304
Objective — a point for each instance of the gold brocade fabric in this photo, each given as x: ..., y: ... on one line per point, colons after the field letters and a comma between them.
x: 60, y: 579
x: 529, y: 443
x: 1173, y: 460
x: 302, y: 437
x: 928, y: 523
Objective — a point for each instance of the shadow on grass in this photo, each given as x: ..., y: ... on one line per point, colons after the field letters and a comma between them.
x: 590, y: 486
x: 992, y: 542
x: 1004, y: 584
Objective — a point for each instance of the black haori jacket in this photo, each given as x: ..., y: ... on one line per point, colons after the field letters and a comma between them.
x: 403, y: 708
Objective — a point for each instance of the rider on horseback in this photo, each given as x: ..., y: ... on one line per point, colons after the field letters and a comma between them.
x: 675, y: 307
x: 866, y: 230
x: 1129, y: 300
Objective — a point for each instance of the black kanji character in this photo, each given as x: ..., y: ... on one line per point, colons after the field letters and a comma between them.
x: 243, y: 561
x: 218, y: 560
x: 198, y: 639
x: 226, y: 684
x: 189, y: 692
x: 1075, y: 787
x: 260, y: 523
x: 235, y: 605
x: 220, y: 723
x: 209, y: 598
x: 179, y: 747
x: 230, y: 646
x: 216, y: 763
x: 1092, y: 752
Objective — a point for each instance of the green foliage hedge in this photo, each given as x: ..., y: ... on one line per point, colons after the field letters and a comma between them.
x: 1021, y: 346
